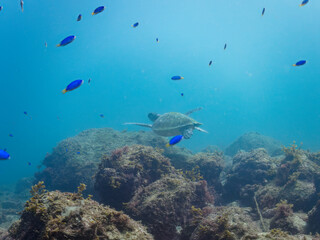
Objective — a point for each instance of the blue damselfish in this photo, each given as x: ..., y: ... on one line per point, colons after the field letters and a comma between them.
x: 304, y: 2
x: 4, y: 155
x: 174, y: 140
x: 66, y: 41
x: 177, y: 78
x: 135, y: 25
x: 98, y: 10
x: 300, y: 63
x: 79, y: 17
x: 73, y: 85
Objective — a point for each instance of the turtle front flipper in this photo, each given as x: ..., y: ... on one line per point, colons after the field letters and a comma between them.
x: 201, y: 130
x: 193, y: 110
x: 139, y: 124
x: 187, y: 133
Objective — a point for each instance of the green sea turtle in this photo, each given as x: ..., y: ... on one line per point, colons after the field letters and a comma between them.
x: 172, y: 124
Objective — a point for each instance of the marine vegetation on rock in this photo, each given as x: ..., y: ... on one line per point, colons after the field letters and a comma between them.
x: 253, y: 140
x: 167, y: 206
x: 75, y: 160
x: 56, y: 215
x: 125, y: 170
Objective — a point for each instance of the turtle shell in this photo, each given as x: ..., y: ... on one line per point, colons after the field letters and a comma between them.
x: 173, y: 123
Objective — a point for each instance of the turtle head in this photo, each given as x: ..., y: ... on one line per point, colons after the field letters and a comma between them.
x: 153, y: 116
x: 197, y: 124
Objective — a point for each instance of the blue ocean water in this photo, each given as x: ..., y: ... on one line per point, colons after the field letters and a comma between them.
x: 251, y: 86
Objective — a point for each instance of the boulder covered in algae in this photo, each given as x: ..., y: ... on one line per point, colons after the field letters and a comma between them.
x: 249, y: 170
x: 125, y: 170
x: 252, y: 140
x: 57, y: 215
x: 75, y: 160
x: 166, y: 206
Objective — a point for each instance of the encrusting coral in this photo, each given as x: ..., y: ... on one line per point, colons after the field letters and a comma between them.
x: 69, y: 216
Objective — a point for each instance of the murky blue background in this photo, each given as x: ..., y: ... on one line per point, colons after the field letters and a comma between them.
x: 251, y: 86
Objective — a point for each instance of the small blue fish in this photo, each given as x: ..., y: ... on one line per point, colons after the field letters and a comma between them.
x: 29, y: 163
x: 300, y: 63
x: 73, y: 85
x: 182, y: 94
x: 89, y: 81
x: 177, y: 78
x: 225, y: 46
x: 78, y: 152
x: 263, y: 10
x: 79, y: 18
x: 66, y: 41
x: 66, y: 149
x: 304, y: 2
x: 135, y: 25
x: 101, y: 115
x: 157, y: 40
x: 98, y: 10
x: 25, y: 113
x: 210, y: 63
x: 21, y: 5
x: 174, y: 140
x: 10, y: 135
x: 4, y: 155
x: 1, y: 8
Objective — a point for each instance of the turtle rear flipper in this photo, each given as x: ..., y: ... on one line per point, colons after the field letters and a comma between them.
x: 153, y: 116
x: 139, y: 124
x: 201, y: 130
x: 193, y: 110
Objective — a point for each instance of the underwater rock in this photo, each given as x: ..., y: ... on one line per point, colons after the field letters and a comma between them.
x: 75, y: 160
x: 227, y: 223
x: 314, y: 219
x: 210, y: 166
x: 299, y: 178
x: 4, y: 235
x: 252, y: 140
x: 249, y: 168
x: 166, y: 206
x: 125, y: 170
x: 211, y: 149
x: 286, y: 220
x: 57, y: 215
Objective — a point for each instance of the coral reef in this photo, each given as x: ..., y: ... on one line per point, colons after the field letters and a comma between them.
x: 168, y: 205
x: 314, y: 219
x: 252, y: 140
x: 249, y: 168
x: 127, y: 169
x: 75, y: 160
x: 56, y: 215
x: 226, y: 223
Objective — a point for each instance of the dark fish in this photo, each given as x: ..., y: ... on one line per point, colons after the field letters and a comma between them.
x: 4, y: 155
x: 300, y: 63
x: 174, y: 140
x: 263, y: 10
x: 101, y: 115
x: 304, y: 2
x: 79, y: 17
x: 29, y: 163
x: 73, y: 85
x: 225, y: 46
x: 210, y: 63
x: 135, y: 25
x: 98, y: 10
x: 25, y: 113
x: 66, y: 41
x: 10, y: 135
x: 89, y: 81
x: 46, y: 44
x: 157, y: 40
x: 1, y: 8
x: 21, y: 5
x: 182, y: 94
x: 177, y: 78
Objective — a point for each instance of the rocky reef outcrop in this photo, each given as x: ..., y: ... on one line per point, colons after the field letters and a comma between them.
x: 127, y: 169
x: 253, y: 140
x: 75, y: 160
x: 314, y: 219
x: 57, y: 215
x: 166, y: 206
